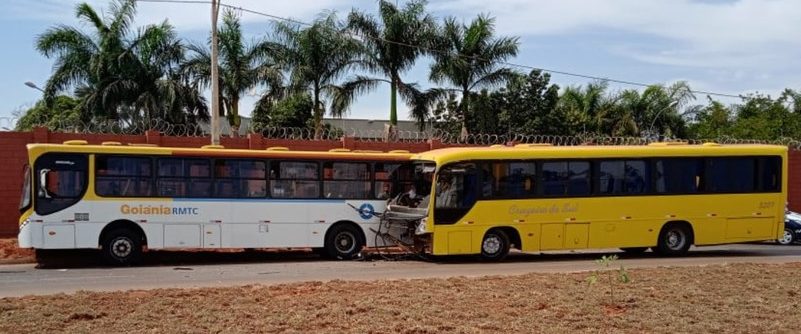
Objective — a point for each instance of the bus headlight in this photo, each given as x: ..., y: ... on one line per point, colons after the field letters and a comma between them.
x: 421, y: 227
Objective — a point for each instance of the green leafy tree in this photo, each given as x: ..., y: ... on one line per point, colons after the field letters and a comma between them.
x: 62, y: 113
x: 473, y: 59
x: 711, y: 121
x: 388, y: 52
x: 444, y: 115
x: 293, y: 111
x: 483, y: 114
x: 764, y: 118
x: 657, y: 110
x: 318, y: 56
x: 528, y: 106
x: 243, y: 66
x: 584, y: 106
x: 117, y: 73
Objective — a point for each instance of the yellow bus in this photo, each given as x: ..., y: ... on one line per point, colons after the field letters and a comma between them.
x: 122, y: 198
x: 663, y: 196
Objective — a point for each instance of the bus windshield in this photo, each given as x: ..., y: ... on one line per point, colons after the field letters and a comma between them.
x: 25, y: 198
x: 423, y: 177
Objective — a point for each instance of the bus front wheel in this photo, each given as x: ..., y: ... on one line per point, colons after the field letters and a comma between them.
x: 495, y: 245
x: 674, y: 239
x: 343, y: 242
x: 122, y: 247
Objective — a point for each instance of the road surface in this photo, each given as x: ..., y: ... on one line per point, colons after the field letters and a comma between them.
x: 186, y: 270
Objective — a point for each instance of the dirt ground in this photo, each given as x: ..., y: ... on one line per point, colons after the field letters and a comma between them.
x: 10, y: 253
x: 744, y: 298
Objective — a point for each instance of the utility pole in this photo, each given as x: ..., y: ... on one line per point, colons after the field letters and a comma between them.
x: 215, y: 75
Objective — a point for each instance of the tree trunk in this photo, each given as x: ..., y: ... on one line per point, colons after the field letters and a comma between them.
x: 391, y: 130
x: 465, y: 108
x: 318, y: 117
x: 235, y: 120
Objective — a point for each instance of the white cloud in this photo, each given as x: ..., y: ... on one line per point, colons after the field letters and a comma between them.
x: 749, y: 33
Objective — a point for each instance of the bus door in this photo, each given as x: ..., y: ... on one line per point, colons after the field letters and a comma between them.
x: 456, y: 191
x: 60, y: 182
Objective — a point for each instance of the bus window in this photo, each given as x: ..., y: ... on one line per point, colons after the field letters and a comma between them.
x: 60, y: 181
x: 294, y: 179
x: 392, y: 179
x: 240, y: 178
x: 456, y: 190
x: 346, y: 180
x: 514, y: 179
x: 117, y: 176
x: 679, y: 175
x: 731, y: 175
x: 769, y: 174
x: 184, y: 177
x: 623, y: 177
x: 563, y: 178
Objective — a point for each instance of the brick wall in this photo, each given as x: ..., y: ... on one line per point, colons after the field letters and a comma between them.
x: 14, y: 156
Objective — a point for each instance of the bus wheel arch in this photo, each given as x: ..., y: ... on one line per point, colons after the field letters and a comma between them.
x: 496, y: 243
x: 121, y: 242
x: 675, y: 238
x: 344, y: 240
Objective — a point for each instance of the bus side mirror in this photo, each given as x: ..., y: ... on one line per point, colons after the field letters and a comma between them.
x: 43, y: 183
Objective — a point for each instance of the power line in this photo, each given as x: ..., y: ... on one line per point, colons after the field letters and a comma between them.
x: 431, y: 50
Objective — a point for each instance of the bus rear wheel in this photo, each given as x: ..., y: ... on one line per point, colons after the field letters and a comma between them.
x: 495, y: 245
x: 344, y: 242
x: 674, y: 240
x: 122, y: 247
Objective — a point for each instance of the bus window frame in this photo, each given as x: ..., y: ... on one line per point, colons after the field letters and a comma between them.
x: 85, y: 159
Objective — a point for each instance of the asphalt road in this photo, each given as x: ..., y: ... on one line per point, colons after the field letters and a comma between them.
x: 184, y: 270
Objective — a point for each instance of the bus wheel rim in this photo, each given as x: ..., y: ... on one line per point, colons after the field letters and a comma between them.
x: 491, y: 245
x: 345, y: 242
x: 675, y: 239
x: 121, y: 247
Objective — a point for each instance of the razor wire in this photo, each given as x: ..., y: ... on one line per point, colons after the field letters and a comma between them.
x: 140, y: 127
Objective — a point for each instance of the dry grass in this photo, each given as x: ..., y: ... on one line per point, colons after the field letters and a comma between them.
x: 10, y: 253
x: 735, y: 298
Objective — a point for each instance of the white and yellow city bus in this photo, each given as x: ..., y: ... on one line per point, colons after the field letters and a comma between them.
x: 119, y: 198
x: 663, y: 196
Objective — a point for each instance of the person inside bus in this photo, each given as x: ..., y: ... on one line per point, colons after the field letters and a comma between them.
x: 446, y: 194
x: 385, y: 192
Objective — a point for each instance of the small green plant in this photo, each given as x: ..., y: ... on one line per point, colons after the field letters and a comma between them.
x: 620, y: 275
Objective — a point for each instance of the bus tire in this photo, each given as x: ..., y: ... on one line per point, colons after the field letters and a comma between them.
x: 495, y: 245
x: 344, y: 242
x: 675, y: 239
x: 46, y: 257
x: 634, y: 250
x: 122, y: 247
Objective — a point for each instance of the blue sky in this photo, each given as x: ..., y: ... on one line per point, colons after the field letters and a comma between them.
x: 731, y: 47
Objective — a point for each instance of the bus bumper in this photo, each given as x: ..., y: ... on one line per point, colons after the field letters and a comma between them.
x: 30, y: 235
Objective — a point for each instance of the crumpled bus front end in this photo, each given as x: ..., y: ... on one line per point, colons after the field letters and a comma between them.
x: 405, y: 222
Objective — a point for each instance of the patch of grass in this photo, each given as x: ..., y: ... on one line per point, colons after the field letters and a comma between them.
x: 743, y: 298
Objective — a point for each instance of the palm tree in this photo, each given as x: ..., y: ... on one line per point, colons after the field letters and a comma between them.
x: 117, y: 74
x: 585, y: 106
x: 242, y: 66
x: 390, y: 50
x: 657, y: 109
x: 472, y: 59
x: 318, y: 56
